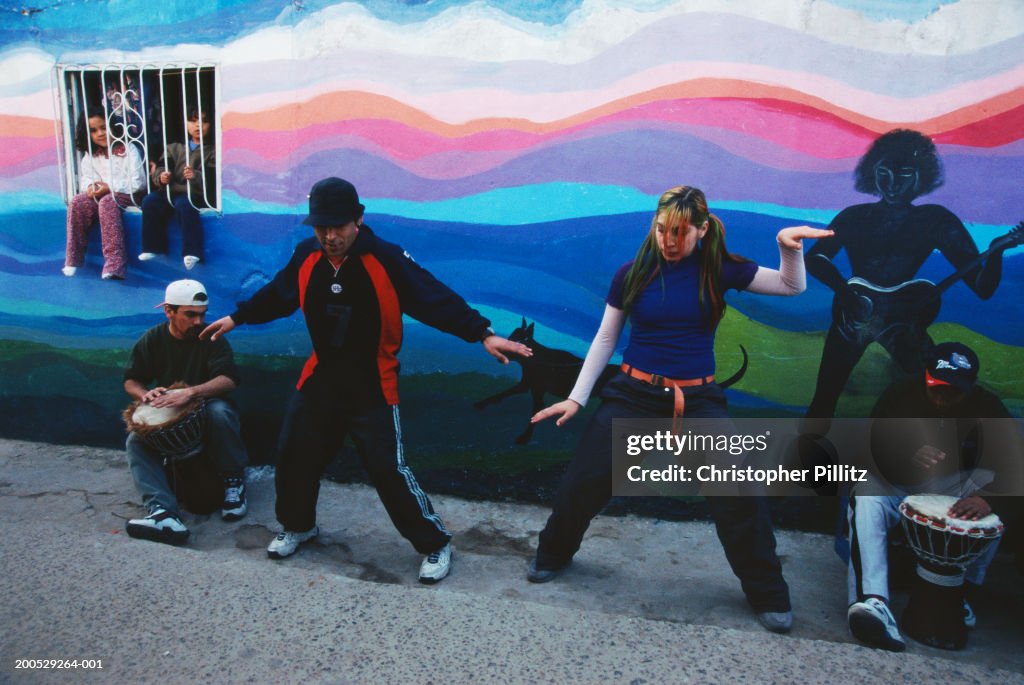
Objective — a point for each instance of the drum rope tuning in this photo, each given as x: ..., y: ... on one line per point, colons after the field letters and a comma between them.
x: 944, y: 547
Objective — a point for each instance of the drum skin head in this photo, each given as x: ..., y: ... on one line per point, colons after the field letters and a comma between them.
x: 148, y: 415
x: 174, y: 432
x: 930, y: 510
x: 144, y: 418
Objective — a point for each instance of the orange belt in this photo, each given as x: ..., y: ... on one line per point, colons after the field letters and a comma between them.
x: 676, y: 384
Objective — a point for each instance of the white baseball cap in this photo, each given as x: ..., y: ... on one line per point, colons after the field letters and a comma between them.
x: 186, y: 293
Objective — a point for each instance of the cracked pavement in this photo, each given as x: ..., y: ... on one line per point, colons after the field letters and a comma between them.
x: 646, y: 601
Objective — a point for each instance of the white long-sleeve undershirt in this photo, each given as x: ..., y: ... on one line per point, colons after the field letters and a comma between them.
x: 789, y: 279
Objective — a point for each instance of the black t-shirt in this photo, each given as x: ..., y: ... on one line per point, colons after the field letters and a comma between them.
x: 959, y: 431
x: 158, y: 357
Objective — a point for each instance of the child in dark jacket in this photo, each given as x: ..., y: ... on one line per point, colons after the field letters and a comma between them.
x: 185, y: 181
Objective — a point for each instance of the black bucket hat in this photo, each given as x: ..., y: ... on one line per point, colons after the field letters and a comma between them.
x: 333, y: 202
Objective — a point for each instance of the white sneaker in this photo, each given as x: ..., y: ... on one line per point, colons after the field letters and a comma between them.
x: 69, y: 271
x: 146, y: 256
x: 190, y: 261
x: 436, y: 566
x: 159, y: 525
x: 872, y: 622
x: 287, y: 542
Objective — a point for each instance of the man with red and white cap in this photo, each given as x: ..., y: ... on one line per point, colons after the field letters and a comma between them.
x: 946, y: 396
x: 169, y: 353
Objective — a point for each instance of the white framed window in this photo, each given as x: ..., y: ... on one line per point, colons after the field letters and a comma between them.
x: 146, y: 107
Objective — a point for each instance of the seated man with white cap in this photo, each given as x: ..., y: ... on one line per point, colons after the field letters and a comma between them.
x: 171, y: 353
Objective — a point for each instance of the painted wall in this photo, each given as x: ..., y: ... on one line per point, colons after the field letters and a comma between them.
x: 517, y: 150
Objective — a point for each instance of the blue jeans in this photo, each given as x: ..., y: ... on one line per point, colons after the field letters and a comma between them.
x: 156, y: 211
x: 871, y: 518
x: 222, y: 443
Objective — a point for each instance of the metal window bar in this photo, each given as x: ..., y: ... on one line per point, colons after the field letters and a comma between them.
x: 116, y: 115
x: 110, y: 133
x: 218, y: 166
x: 122, y: 109
x: 187, y: 153
x: 84, y: 117
x: 163, y: 131
x: 56, y: 88
x: 71, y: 102
x: 145, y: 128
x: 202, y: 150
x: 129, y: 135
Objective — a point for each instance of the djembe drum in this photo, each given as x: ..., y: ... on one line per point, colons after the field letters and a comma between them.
x: 176, y: 433
x: 944, y: 547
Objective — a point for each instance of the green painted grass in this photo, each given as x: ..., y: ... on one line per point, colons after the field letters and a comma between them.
x: 442, y: 428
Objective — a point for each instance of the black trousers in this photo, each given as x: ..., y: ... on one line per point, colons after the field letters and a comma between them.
x: 743, y: 524
x: 314, y: 429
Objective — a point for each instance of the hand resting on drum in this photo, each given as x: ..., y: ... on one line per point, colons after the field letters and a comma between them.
x: 159, y: 397
x: 970, y: 508
x: 162, y: 397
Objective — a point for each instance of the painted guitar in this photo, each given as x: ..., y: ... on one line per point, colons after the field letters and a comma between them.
x: 913, y: 303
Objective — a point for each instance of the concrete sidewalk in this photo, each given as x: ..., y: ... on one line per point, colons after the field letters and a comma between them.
x: 646, y: 601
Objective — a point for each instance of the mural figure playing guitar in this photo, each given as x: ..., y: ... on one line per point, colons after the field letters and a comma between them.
x: 886, y: 243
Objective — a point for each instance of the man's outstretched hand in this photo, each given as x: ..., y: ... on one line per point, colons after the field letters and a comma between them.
x: 218, y: 328
x: 499, y: 347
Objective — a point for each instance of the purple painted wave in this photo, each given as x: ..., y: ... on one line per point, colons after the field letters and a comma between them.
x: 977, y: 189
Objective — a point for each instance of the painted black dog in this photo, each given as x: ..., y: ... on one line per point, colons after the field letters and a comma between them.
x: 555, y: 371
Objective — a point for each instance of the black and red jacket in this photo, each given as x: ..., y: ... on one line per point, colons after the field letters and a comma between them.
x: 354, y: 313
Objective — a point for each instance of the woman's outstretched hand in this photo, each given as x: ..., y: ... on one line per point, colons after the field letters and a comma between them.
x: 793, y: 236
x: 564, y: 410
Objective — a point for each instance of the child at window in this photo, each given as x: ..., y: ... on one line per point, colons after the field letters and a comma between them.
x: 189, y: 169
x: 109, y: 173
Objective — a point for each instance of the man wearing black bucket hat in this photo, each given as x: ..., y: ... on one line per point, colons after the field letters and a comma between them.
x: 353, y: 288
x: 946, y: 406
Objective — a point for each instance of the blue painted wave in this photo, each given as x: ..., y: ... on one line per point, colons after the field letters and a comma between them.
x: 137, y: 24
x: 556, y: 273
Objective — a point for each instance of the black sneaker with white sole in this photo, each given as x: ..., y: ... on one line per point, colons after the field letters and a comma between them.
x: 159, y: 525
x: 234, y: 506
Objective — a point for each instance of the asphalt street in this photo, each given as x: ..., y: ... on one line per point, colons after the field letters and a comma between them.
x: 647, y: 601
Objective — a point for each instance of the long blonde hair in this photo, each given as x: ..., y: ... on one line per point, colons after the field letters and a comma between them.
x: 682, y: 206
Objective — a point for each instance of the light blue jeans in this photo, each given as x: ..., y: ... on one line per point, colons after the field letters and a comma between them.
x: 870, y: 518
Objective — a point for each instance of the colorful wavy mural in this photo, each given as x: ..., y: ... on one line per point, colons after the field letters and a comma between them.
x: 517, y: 148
